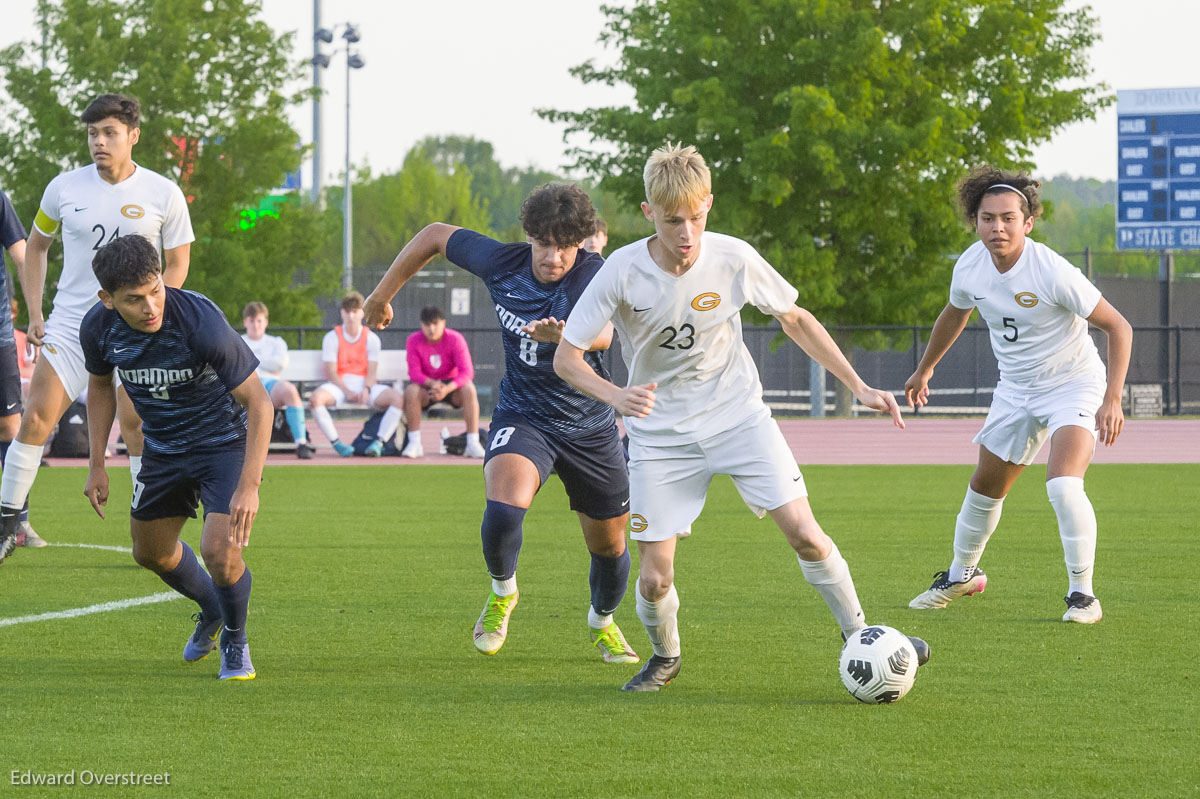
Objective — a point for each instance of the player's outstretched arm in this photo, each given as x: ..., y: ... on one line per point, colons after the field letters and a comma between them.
x: 260, y: 414
x: 177, y: 261
x: 812, y: 337
x: 1110, y: 419
x: 630, y: 401
x: 550, y: 330
x: 420, y: 249
x: 101, y: 412
x: 32, y: 274
x: 946, y: 330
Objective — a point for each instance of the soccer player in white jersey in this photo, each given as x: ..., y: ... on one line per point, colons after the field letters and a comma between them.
x: 694, y: 405
x: 1053, y: 385
x: 91, y: 206
x: 272, y: 354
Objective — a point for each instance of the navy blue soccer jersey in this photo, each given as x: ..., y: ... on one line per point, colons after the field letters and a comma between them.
x: 179, y: 377
x: 530, y: 386
x: 11, y: 231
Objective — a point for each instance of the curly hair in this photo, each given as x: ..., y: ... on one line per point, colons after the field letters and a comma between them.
x: 558, y: 213
x: 127, y: 261
x: 983, y: 181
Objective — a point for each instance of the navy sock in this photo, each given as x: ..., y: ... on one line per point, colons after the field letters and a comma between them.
x: 194, y: 583
x: 608, y: 579
x: 235, y: 604
x: 501, y: 533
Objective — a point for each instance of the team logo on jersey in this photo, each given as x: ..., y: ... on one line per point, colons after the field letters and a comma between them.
x: 706, y: 301
x: 133, y: 211
x: 638, y: 523
x: 435, y: 361
x: 1026, y: 299
x: 51, y: 349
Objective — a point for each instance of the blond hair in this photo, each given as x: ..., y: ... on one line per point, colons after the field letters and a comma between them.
x: 676, y: 175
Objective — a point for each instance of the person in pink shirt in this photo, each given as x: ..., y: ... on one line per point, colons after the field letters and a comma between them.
x: 439, y: 370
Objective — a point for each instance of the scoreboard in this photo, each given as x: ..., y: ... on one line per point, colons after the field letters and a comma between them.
x: 1158, y: 169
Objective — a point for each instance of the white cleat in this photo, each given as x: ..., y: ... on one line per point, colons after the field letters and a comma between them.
x: 413, y: 449
x: 26, y: 537
x: 1082, y: 609
x: 943, y: 591
x: 474, y: 448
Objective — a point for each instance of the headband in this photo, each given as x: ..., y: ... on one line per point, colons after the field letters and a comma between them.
x: 1005, y: 186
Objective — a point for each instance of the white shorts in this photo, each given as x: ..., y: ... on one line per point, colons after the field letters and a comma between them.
x: 62, y: 350
x: 667, y: 485
x: 339, y: 396
x: 1019, y: 422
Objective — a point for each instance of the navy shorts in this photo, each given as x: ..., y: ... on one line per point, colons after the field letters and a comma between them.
x: 592, y: 468
x: 10, y: 380
x: 174, y: 485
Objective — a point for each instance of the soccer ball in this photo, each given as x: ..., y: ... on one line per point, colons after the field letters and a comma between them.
x: 878, y: 665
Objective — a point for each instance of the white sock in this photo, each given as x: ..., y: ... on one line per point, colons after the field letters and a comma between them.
x: 976, y: 522
x: 661, y: 620
x: 20, y: 470
x: 414, y: 437
x: 1077, y: 528
x: 135, y: 467
x: 389, y: 423
x: 831, y: 578
x: 596, y: 621
x: 324, y: 421
x: 504, y: 587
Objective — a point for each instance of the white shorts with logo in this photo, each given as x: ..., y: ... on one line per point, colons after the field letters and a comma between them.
x: 1020, y: 421
x: 62, y: 350
x: 667, y: 485
x: 355, y: 383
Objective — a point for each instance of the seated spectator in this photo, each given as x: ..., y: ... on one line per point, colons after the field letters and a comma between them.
x: 598, y: 240
x: 439, y: 370
x: 350, y: 354
x: 272, y: 354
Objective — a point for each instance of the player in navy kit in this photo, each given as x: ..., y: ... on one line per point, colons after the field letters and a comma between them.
x: 207, y: 423
x: 540, y: 423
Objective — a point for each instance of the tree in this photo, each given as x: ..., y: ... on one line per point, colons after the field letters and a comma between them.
x: 836, y: 129
x: 211, y: 78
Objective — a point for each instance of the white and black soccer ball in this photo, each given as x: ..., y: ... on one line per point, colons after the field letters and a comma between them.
x: 878, y: 665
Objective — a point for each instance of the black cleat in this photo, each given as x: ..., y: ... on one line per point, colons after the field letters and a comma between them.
x: 304, y: 452
x: 657, y: 672
x: 7, y: 544
x: 922, y: 649
x: 10, y: 525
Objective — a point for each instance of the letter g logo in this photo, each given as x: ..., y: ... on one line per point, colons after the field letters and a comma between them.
x: 706, y: 301
x: 133, y: 211
x: 1026, y: 299
x: 637, y: 523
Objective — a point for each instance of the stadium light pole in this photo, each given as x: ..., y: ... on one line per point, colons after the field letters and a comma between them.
x: 319, y: 61
x: 353, y: 61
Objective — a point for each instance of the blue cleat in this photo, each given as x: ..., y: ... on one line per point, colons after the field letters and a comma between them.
x: 203, y: 640
x: 235, y: 661
x: 375, y: 449
x: 345, y: 450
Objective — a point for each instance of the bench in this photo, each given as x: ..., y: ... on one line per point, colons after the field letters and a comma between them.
x: 306, y: 366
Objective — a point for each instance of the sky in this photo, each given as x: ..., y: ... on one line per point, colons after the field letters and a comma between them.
x: 482, y: 68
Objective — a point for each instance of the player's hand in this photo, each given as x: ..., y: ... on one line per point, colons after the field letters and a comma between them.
x: 243, y: 507
x: 916, y: 390
x: 360, y: 397
x: 636, y: 400
x: 36, y: 331
x: 96, y: 490
x: 377, y: 312
x: 547, y: 331
x: 882, y: 401
x: 1110, y: 420
x: 438, y: 391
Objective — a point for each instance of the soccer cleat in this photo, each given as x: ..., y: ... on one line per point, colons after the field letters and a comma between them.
x: 26, y: 537
x: 303, y: 451
x: 203, y: 640
x: 612, y: 645
x: 921, y: 648
x: 7, y: 544
x: 943, y: 591
x: 375, y: 449
x: 235, y: 660
x: 492, y: 627
x: 413, y: 449
x: 1082, y: 609
x: 474, y: 448
x: 657, y: 672
x: 345, y: 450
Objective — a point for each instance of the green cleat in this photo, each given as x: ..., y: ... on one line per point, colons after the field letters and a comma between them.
x: 612, y: 644
x: 492, y: 627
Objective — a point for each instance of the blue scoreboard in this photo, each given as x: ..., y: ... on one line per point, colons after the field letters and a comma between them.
x: 1158, y: 169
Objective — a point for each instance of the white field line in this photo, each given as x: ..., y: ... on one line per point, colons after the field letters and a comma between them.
x: 97, y: 546
x: 103, y: 607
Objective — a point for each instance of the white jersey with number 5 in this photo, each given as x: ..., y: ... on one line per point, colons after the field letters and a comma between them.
x: 684, y: 333
x: 92, y: 212
x: 1035, y: 312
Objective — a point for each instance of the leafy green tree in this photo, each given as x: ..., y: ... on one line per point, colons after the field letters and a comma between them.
x: 211, y: 78
x: 836, y: 129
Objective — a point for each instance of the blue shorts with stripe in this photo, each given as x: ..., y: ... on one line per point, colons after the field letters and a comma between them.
x: 592, y: 468
x: 169, y: 486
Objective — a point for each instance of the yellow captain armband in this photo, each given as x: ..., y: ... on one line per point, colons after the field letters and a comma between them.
x: 45, y: 225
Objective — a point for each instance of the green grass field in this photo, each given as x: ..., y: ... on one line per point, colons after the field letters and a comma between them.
x: 368, y: 579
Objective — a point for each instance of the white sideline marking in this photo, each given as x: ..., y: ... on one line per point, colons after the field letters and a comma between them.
x: 97, y: 546
x: 103, y: 607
